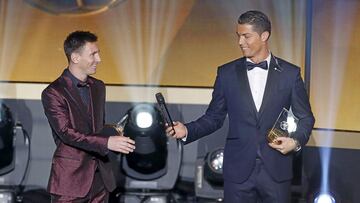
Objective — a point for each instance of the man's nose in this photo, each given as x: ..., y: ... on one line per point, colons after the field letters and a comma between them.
x: 241, y: 40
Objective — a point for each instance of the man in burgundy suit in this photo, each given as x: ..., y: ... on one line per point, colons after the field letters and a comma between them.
x: 74, y: 105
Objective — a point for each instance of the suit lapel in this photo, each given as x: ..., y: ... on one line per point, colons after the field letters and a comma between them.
x: 245, y: 86
x: 75, y: 96
x: 94, y: 104
x: 271, y: 86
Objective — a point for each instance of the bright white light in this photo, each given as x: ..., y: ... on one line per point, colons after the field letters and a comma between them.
x: 6, y: 197
x: 291, y: 124
x: 144, y: 119
x: 324, y: 198
x: 217, y: 162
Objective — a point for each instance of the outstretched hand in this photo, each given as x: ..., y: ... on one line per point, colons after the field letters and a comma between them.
x: 121, y: 144
x: 180, y: 130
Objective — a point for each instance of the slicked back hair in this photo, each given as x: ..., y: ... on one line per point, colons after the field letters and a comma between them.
x: 257, y: 19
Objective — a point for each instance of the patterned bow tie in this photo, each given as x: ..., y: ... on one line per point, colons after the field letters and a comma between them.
x: 250, y: 65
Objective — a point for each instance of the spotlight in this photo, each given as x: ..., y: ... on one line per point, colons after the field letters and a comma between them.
x: 324, y: 198
x: 209, y: 181
x: 7, y: 196
x: 10, y: 189
x: 146, y: 127
x: 144, y: 120
x: 7, y: 140
x: 213, y: 167
x: 150, y: 172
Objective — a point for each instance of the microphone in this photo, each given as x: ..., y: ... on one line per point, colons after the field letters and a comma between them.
x: 163, y: 108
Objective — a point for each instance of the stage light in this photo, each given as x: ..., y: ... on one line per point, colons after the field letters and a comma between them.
x: 209, y: 181
x: 144, y: 119
x: 153, y: 168
x: 324, y: 198
x: 7, y: 196
x: 7, y: 140
x: 213, y: 168
x: 10, y: 189
x: 145, y: 126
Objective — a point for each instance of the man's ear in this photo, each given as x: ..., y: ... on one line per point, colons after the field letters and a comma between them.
x: 75, y: 57
x: 265, y: 36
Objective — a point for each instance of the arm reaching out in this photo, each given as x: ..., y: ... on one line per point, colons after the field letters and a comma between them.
x: 121, y: 144
x: 180, y: 130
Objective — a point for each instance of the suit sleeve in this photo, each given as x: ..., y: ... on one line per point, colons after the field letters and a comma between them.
x: 300, y: 106
x: 214, y: 116
x: 58, y: 115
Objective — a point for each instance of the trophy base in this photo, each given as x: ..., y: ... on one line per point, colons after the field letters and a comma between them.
x: 275, y: 133
x: 110, y: 130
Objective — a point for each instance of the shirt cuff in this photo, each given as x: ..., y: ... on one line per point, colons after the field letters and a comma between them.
x: 298, y: 146
x: 186, y: 134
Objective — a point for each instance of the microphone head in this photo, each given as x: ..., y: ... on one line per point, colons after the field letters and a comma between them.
x: 159, y: 98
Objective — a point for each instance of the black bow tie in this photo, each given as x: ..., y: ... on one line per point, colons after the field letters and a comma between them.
x: 250, y: 65
x: 83, y: 84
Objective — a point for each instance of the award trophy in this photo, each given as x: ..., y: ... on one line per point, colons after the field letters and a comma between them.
x: 284, y: 126
x: 116, y: 129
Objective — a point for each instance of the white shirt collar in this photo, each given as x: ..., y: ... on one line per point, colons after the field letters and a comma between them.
x: 268, y: 59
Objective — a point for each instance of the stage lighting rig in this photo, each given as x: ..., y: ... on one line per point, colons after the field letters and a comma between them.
x: 152, y: 169
x: 325, y: 197
x: 10, y: 189
x: 145, y: 126
x: 209, y: 181
x: 7, y: 140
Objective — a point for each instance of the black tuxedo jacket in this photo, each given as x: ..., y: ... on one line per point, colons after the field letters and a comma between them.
x: 248, y: 127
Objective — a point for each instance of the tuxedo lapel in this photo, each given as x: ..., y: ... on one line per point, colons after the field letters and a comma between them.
x: 271, y: 86
x: 244, y: 85
x: 74, y: 95
x: 94, y: 104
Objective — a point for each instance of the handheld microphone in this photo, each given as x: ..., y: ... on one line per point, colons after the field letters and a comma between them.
x: 163, y: 108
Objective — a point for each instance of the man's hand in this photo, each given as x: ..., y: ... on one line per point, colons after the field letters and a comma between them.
x: 283, y: 144
x: 121, y: 144
x: 180, y: 130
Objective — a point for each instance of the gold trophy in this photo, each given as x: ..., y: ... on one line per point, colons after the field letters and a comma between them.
x: 115, y: 129
x: 285, y: 125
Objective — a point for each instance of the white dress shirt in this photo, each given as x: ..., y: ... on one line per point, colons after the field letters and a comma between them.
x: 257, y: 81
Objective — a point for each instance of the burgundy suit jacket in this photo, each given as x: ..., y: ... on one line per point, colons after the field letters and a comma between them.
x: 79, y: 148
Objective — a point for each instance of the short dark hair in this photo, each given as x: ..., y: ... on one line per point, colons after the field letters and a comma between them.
x: 258, y: 19
x: 76, y: 40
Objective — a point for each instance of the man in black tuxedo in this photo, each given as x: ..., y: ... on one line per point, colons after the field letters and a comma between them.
x: 252, y: 91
